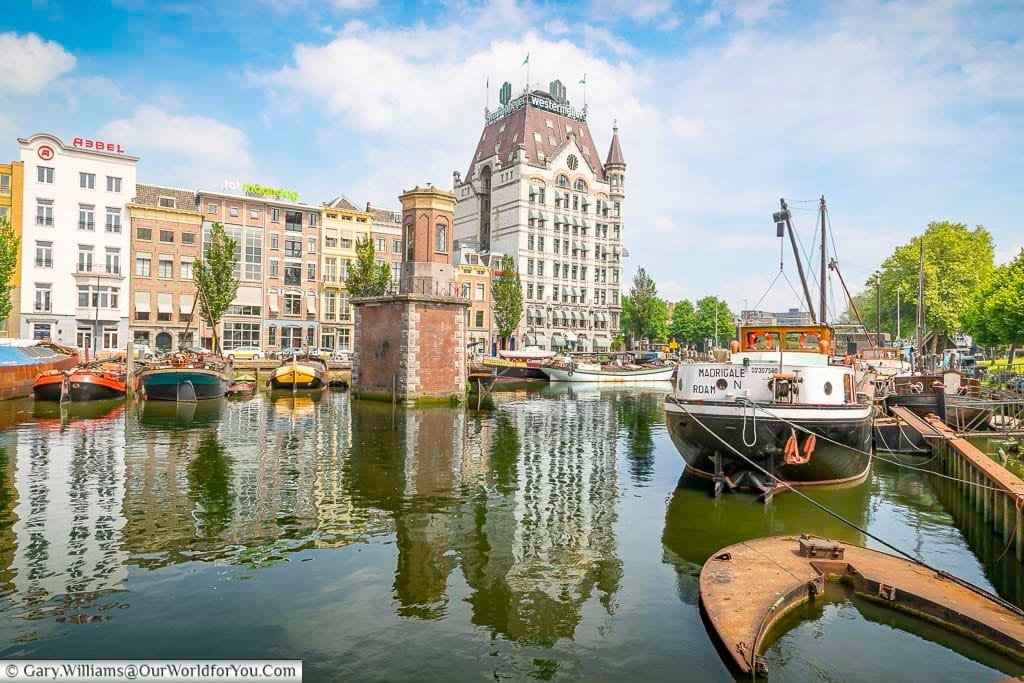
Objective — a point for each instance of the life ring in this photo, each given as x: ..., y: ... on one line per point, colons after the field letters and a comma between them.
x: 917, y: 388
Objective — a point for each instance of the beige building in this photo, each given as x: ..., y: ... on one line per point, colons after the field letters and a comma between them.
x: 474, y: 277
x: 166, y: 236
x: 343, y: 225
x: 387, y: 238
x: 12, y: 181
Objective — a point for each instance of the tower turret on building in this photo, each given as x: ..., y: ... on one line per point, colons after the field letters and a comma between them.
x: 536, y: 189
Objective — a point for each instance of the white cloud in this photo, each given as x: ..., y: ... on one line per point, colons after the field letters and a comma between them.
x: 354, y: 5
x: 710, y: 19
x: 31, y: 62
x: 187, y: 150
x: 870, y: 96
x: 557, y: 27
x: 638, y: 10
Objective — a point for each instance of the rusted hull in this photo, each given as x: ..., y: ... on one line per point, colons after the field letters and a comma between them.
x: 90, y: 387
x: 746, y: 588
x: 17, y: 381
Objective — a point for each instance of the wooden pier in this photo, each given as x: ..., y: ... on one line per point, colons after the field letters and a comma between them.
x: 747, y: 588
x: 337, y: 373
x: 994, y: 491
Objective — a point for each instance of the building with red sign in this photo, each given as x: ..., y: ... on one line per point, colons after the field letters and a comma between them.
x: 75, y: 242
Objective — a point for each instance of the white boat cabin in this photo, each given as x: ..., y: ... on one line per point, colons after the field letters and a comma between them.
x: 772, y: 364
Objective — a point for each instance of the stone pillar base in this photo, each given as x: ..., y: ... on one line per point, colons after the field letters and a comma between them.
x: 410, y: 348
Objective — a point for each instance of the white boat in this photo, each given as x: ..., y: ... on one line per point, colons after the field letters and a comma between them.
x: 527, y: 353
x: 779, y: 401
x: 592, y: 372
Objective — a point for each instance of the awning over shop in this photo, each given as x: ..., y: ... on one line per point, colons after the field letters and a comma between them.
x: 165, y: 302
x: 534, y: 213
x: 565, y: 315
x: 557, y: 340
x: 142, y: 302
x: 185, y: 302
x: 601, y: 342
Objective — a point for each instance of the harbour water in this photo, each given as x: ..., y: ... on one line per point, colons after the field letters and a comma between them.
x: 545, y: 536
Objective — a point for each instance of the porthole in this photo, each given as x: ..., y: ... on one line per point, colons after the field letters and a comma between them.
x: 722, y: 385
x: 828, y: 388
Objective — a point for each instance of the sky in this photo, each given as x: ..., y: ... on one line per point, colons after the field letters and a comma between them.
x: 899, y: 113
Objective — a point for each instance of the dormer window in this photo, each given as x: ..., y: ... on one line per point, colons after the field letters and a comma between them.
x: 166, y: 202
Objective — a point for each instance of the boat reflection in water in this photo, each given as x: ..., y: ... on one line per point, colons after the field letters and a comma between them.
x: 160, y: 414
x: 50, y: 415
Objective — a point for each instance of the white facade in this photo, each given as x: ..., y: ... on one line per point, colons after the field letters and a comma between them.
x: 76, y: 245
x: 557, y: 212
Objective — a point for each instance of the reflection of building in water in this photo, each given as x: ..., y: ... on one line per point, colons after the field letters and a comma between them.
x: 264, y: 471
x: 69, y: 514
x: 8, y: 503
x: 524, y: 500
x: 535, y: 553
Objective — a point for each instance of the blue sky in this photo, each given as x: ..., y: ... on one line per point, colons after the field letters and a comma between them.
x: 898, y: 112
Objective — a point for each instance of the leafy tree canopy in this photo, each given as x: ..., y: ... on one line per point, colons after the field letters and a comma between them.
x: 713, y: 314
x: 366, y: 277
x: 215, y: 276
x: 9, y: 246
x: 644, y: 314
x: 683, y: 326
x: 508, y: 298
x: 995, y: 314
x: 957, y: 260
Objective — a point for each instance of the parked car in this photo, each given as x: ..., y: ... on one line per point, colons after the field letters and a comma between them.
x: 341, y: 357
x: 284, y: 354
x: 322, y: 352
x: 244, y: 353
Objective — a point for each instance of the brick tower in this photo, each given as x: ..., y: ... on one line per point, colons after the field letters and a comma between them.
x: 411, y: 346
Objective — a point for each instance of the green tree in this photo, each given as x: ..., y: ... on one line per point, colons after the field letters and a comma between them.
x: 957, y: 260
x: 366, y: 277
x: 9, y: 246
x: 215, y: 277
x: 508, y: 299
x: 713, y: 313
x: 644, y: 314
x: 683, y: 326
x: 995, y: 313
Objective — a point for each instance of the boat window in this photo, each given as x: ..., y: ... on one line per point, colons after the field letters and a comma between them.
x: 763, y: 341
x: 802, y: 341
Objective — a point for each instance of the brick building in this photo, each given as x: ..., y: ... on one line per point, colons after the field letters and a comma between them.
x: 279, y: 267
x: 343, y: 225
x: 166, y: 236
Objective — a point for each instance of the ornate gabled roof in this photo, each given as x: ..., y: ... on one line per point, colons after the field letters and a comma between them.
x: 522, y: 128
x: 615, y: 151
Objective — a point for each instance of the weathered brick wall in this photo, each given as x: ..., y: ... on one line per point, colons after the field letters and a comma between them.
x: 379, y: 332
x: 415, y: 344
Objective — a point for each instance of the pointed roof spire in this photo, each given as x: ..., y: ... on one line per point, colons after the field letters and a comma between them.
x: 615, y: 151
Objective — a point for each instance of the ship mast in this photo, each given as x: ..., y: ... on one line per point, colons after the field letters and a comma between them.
x: 824, y: 265
x: 783, y: 216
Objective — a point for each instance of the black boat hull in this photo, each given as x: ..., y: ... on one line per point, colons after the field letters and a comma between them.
x: 185, y: 384
x: 90, y: 391
x: 764, y: 443
x: 47, y: 392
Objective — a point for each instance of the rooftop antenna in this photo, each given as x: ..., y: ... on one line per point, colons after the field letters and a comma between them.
x: 526, y: 63
x: 583, y: 82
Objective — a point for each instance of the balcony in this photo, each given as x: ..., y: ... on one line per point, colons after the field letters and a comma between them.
x: 44, y: 263
x: 293, y: 227
x: 113, y: 227
x: 44, y: 220
x: 86, y: 225
x: 105, y: 313
x: 97, y: 270
x: 43, y: 307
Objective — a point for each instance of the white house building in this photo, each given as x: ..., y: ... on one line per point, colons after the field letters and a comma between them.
x: 75, y: 243
x: 537, y: 190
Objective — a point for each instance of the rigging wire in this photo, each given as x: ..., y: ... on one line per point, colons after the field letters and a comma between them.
x: 966, y: 584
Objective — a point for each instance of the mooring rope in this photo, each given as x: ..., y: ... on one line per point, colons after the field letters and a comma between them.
x: 824, y: 508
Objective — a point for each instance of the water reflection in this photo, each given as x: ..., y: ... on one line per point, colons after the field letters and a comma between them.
x: 466, y: 530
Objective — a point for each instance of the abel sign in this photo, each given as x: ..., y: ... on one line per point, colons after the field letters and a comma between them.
x: 251, y: 190
x: 97, y: 145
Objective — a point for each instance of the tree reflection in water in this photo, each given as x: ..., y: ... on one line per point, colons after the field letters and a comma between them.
x: 209, y: 479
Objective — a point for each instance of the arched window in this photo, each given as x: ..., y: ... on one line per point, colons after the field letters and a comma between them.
x: 580, y: 185
x: 563, y: 181
x: 410, y: 240
x: 441, y: 237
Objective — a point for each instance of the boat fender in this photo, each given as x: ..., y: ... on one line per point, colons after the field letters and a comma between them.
x: 734, y: 346
x: 792, y: 449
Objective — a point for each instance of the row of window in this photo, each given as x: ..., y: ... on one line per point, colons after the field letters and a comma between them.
x: 237, y: 334
x: 86, y: 181
x: 165, y: 266
x: 166, y: 236
x: 292, y: 218
x: 87, y: 263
